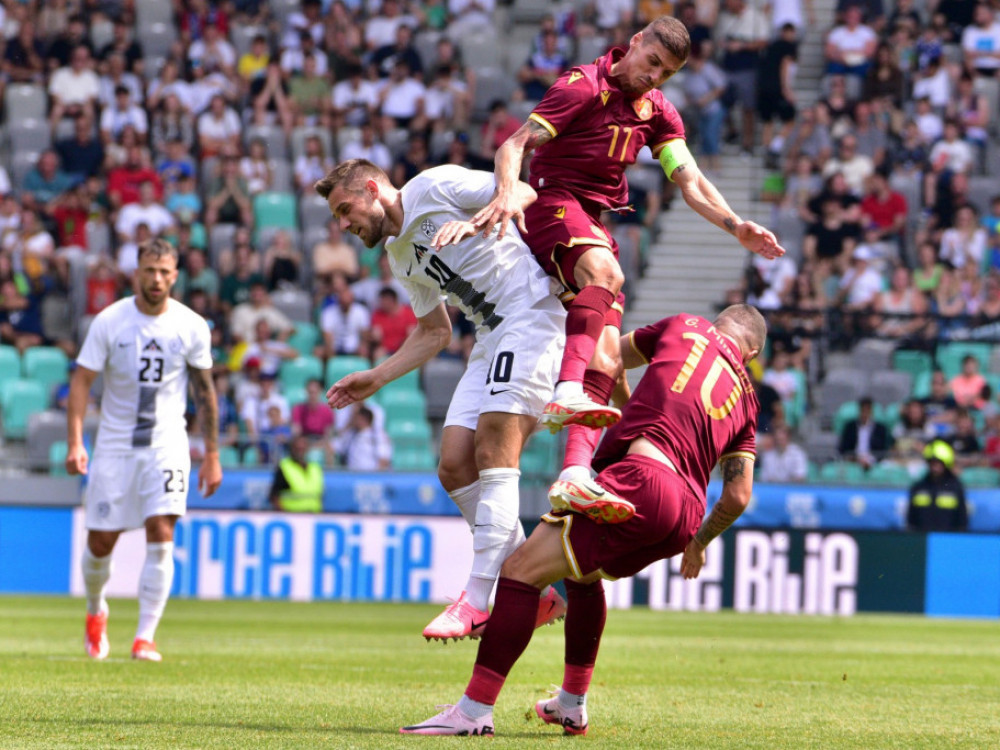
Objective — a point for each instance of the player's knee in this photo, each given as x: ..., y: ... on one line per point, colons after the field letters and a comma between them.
x: 454, y: 475
x: 601, y: 269
x: 100, y: 546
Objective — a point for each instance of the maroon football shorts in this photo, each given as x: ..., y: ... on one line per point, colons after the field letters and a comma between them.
x: 667, y: 516
x: 560, y: 230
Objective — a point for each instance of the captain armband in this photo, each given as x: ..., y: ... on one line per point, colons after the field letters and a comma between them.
x: 674, y: 154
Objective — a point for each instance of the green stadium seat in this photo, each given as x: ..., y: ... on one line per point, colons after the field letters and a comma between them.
x: 251, y: 456
x: 981, y: 476
x: 413, y: 459
x: 316, y: 456
x: 891, y: 474
x: 274, y: 209
x: 229, y: 456
x: 410, y: 435
x: 305, y: 338
x: 848, y: 410
x: 840, y: 472
x: 922, y: 385
x: 19, y: 399
x: 295, y: 394
x: 343, y: 364
x: 57, y: 458
x: 403, y: 406
x: 408, y: 382
x: 10, y: 364
x: 795, y: 408
x: 950, y: 356
x: 914, y: 362
x: 888, y: 414
x: 46, y: 365
x: 812, y: 472
x: 295, y: 373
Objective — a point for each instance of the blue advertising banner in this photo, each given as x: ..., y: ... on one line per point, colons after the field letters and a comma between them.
x: 35, y: 550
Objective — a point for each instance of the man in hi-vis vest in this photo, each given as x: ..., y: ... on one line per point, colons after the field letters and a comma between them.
x: 298, y: 482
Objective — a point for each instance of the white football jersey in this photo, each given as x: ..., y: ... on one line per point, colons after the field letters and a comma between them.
x: 145, y: 360
x: 486, y: 278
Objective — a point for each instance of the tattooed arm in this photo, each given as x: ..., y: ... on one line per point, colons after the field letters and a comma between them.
x: 207, y: 408
x: 737, y: 478
x: 507, y: 201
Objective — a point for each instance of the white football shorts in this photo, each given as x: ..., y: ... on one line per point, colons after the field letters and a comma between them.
x: 124, y: 489
x: 514, y: 368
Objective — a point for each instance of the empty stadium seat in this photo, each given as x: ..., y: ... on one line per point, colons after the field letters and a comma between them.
x: 911, y: 361
x: 314, y: 211
x: 10, y: 364
x: 295, y: 373
x: 295, y: 303
x: 410, y: 435
x: 842, y: 472
x: 273, y: 137
x: 157, y: 38
x: 19, y: 399
x: 265, y: 237
x: 274, y: 210
x: 294, y: 394
x: 440, y: 376
x: 25, y: 101
x: 305, y: 338
x: 229, y: 456
x: 57, y: 458
x: 29, y: 135
x: 889, y: 386
x: 891, y: 474
x: 344, y: 364
x: 44, y: 428
x: 981, y: 476
x: 413, y: 459
x: 300, y: 135
x: 281, y: 175
x: 46, y: 365
x: 402, y: 406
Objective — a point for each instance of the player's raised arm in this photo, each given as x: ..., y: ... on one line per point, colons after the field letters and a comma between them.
x: 432, y: 334
x: 454, y: 232
x: 76, y: 409
x: 207, y: 407
x: 506, y: 203
x: 737, y: 488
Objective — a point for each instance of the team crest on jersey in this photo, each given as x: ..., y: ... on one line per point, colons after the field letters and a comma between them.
x: 175, y: 346
x: 561, y: 212
x: 643, y: 108
x: 605, y: 95
x: 574, y: 77
x: 428, y: 228
x: 152, y: 346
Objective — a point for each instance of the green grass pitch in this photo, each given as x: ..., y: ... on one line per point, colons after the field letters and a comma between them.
x: 283, y: 675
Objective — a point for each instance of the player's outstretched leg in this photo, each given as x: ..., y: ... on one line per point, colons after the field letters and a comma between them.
x: 588, y: 497
x: 578, y: 409
x: 452, y: 721
x: 459, y: 620
x: 96, y: 571
x: 154, y: 590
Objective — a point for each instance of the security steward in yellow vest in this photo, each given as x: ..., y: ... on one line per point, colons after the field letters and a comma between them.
x: 937, y: 502
x: 298, y: 482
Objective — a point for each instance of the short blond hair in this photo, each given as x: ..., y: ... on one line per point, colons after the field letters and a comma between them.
x: 351, y: 174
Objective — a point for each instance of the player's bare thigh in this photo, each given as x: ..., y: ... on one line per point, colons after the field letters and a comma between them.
x: 496, y: 443
x: 597, y: 266
x: 540, y: 561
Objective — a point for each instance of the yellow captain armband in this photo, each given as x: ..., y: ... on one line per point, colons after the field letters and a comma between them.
x: 673, y: 155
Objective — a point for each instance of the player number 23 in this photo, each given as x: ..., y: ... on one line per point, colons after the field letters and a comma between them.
x: 719, y: 365
x: 173, y: 480
x: 615, y: 131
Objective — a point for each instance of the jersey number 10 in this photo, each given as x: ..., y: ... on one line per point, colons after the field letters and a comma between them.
x: 719, y: 365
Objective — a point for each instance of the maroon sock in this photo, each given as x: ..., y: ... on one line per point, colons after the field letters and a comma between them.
x: 581, y: 442
x: 586, y: 612
x: 584, y: 323
x: 598, y: 385
x: 511, y: 625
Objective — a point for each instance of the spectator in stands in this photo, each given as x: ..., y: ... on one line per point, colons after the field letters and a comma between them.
x: 401, y: 48
x: 294, y: 58
x: 860, y: 285
x: 783, y: 378
x: 967, y: 386
x: 904, y: 300
x: 70, y: 213
x: 810, y: 136
x: 240, y: 273
x: 965, y: 243
x: 380, y: 29
x: 123, y: 44
x: 46, y: 181
x: 125, y: 181
x: 414, y: 160
x: 172, y: 122
x: 219, y: 129
x: 196, y: 275
x: 145, y: 211
x: 229, y: 200
x: 253, y: 62
x: 21, y: 307
x: 542, y: 68
x: 465, y: 16
x: 116, y: 75
x: 830, y: 242
x: 401, y: 101
x: 345, y: 324
x: 24, y: 56
x: 363, y: 446
x: 354, y: 100
x: 297, y: 486
x: 989, y: 309
x: 309, y: 95
x: 775, y: 89
x: 783, y: 461
x: 368, y: 147
x: 60, y: 52
x: 244, y: 317
x: 704, y: 84
x: 268, y: 349
x: 175, y: 165
x: 741, y: 33
x: 366, y: 290
x: 256, y: 411
x: 446, y: 101
x: 911, y: 434
x: 971, y: 109
x: 391, y: 323
x: 212, y: 53
x: 863, y: 440
x: 949, y: 156
x: 73, y: 89
x: 334, y: 256
x: 82, y: 154
x: 269, y: 94
x: 850, y: 47
x: 312, y: 164
x: 772, y: 412
x: 934, y: 84
x: 883, y: 216
x: 855, y: 167
x: 839, y: 106
x: 937, y: 502
x: 313, y: 418
x: 884, y: 79
x: 255, y: 168
x: 981, y: 42
x: 282, y: 261
x: 499, y: 126
x: 871, y: 133
x: 965, y: 440
x: 940, y: 405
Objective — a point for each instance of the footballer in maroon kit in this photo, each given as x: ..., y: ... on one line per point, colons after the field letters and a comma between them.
x: 694, y: 407
x: 587, y: 129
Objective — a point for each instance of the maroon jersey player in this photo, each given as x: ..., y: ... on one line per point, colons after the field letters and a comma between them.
x: 587, y: 129
x: 694, y: 407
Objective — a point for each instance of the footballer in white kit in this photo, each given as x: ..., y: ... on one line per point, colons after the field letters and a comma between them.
x: 147, y: 347
x: 438, y: 255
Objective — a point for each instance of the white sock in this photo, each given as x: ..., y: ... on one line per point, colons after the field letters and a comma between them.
x: 467, y: 498
x: 574, y: 473
x: 569, y: 700
x: 495, y: 530
x: 566, y: 388
x: 96, y: 572
x: 474, y: 709
x: 154, y: 587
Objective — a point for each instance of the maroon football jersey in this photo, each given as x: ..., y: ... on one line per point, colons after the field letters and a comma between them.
x: 694, y: 402
x: 597, y: 132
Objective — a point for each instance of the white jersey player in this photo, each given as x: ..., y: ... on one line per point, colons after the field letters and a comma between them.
x: 147, y: 347
x: 437, y: 254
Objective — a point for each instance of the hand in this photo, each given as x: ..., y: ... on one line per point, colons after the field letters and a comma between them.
x: 759, y: 240
x: 693, y: 559
x: 352, y: 388
x: 209, y: 475
x: 500, y: 210
x: 452, y: 233
x: 76, y: 460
